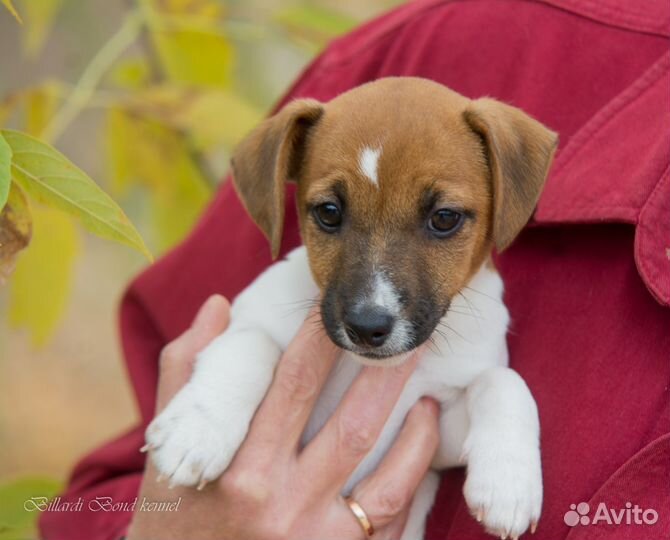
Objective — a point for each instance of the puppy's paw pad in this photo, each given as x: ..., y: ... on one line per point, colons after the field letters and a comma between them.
x: 503, y: 487
x: 192, y: 443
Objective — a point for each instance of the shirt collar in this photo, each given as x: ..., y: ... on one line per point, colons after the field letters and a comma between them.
x: 616, y: 168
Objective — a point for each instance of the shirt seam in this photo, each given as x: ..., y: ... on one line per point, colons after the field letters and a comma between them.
x: 561, y: 5
x: 611, y: 110
x: 642, y: 236
x: 636, y: 21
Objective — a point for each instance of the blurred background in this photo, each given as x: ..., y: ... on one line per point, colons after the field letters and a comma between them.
x: 147, y: 97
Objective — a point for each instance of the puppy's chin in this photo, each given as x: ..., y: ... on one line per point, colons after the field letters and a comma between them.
x: 382, y: 357
x: 381, y: 361
x: 391, y: 354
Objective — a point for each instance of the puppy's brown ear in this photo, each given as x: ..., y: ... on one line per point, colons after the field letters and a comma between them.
x: 267, y: 158
x: 519, y: 151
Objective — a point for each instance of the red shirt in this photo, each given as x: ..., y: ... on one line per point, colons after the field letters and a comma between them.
x: 587, y: 283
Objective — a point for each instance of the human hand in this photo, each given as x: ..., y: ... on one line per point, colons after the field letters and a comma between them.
x: 274, y: 489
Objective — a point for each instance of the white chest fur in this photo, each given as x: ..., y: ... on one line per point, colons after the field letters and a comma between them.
x: 489, y: 417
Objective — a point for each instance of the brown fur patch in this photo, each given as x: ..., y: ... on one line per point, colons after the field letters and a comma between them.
x: 437, y: 149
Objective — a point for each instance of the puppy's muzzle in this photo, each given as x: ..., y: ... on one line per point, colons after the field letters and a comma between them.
x: 368, y: 326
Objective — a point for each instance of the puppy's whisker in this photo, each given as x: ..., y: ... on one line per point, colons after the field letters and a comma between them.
x: 434, y: 347
x: 456, y: 312
x: 299, y: 306
x: 445, y: 325
x: 472, y: 308
x: 445, y: 337
x: 483, y: 294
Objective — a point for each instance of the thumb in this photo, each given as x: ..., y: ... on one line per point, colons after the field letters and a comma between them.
x: 178, y: 356
x: 212, y: 319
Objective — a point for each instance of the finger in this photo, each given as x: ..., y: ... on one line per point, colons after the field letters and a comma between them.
x: 345, y: 521
x: 394, y: 530
x: 299, y: 377
x: 389, y: 491
x: 352, y: 430
x: 176, y: 361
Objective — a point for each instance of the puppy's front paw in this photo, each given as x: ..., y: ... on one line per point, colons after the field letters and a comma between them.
x: 503, y: 487
x: 192, y: 442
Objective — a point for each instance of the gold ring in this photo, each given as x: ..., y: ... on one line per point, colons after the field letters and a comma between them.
x: 361, y: 516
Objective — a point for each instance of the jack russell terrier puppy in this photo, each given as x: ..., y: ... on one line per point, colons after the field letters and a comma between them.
x: 404, y: 188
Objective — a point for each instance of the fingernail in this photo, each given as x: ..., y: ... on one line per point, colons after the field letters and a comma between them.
x: 212, y: 306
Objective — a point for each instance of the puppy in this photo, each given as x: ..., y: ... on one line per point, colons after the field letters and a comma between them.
x: 404, y: 189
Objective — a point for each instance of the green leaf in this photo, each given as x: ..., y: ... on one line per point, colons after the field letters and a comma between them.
x: 42, y: 281
x: 8, y: 4
x: 40, y: 15
x: 49, y: 177
x: 5, y: 171
x: 15, y: 521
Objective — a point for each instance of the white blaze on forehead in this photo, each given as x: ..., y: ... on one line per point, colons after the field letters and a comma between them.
x: 368, y: 163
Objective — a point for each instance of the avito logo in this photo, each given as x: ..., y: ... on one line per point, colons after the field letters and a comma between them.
x: 630, y: 515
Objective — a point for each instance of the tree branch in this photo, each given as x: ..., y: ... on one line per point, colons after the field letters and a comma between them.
x: 92, y: 75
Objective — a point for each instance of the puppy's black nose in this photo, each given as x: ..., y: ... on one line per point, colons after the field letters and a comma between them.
x: 368, y: 326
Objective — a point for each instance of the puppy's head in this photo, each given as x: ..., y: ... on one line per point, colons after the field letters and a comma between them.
x: 404, y: 187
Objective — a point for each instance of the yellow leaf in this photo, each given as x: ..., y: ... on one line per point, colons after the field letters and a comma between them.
x: 176, y: 209
x: 8, y: 4
x: 8, y: 105
x: 130, y: 74
x: 211, y: 9
x: 40, y: 15
x: 211, y: 116
x: 15, y: 230
x: 317, y: 19
x: 145, y: 153
x: 40, y: 105
x: 219, y: 117
x: 195, y: 56
x: 139, y: 151
x: 189, y: 43
x: 49, y: 177
x: 5, y: 170
x: 317, y: 25
x: 41, y: 285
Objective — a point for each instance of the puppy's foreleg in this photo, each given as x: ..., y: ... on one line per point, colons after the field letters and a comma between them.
x: 503, y: 487
x: 195, y: 437
x: 454, y: 428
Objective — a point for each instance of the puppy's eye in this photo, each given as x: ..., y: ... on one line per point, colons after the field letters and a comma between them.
x: 328, y: 216
x: 445, y: 222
